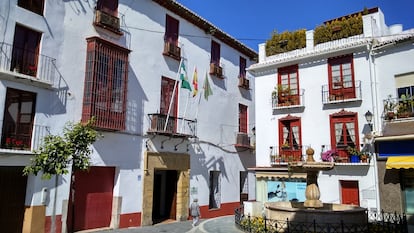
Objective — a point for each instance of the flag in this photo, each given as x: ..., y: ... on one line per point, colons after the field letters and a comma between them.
x: 195, y: 82
x: 183, y: 76
x: 207, y: 88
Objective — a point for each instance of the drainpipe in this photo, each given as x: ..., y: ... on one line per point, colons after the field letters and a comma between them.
x: 377, y: 114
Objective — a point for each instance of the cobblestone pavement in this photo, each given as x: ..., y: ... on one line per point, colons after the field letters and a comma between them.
x: 214, y: 225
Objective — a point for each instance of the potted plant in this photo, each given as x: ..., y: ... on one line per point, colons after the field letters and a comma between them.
x: 389, y: 108
x: 329, y: 155
x: 285, y: 146
x: 354, y: 154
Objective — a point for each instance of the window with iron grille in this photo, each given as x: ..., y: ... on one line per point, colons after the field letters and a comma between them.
x: 19, y: 111
x: 35, y: 6
x: 106, y: 79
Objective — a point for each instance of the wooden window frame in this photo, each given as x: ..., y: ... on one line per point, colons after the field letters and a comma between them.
x: 215, y: 53
x: 341, y: 89
x: 292, y: 98
x: 242, y: 67
x: 35, y: 6
x: 19, y: 127
x: 25, y: 54
x: 172, y: 28
x: 106, y: 79
x: 243, y: 120
x: 343, y: 118
x: 108, y: 6
x: 293, y: 150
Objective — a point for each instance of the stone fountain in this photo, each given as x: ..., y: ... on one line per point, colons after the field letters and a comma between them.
x: 313, y: 209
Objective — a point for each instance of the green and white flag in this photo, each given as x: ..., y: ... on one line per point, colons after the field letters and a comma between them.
x: 184, y: 78
x: 207, y: 88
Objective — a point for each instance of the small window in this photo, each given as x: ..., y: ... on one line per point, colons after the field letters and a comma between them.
x: 108, y: 6
x: 215, y: 190
x: 215, y: 53
x: 242, y: 118
x: 242, y: 67
x: 35, y: 6
x: 171, y: 30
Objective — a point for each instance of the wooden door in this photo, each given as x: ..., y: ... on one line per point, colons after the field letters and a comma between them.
x: 93, y: 198
x: 12, y: 198
x: 350, y: 192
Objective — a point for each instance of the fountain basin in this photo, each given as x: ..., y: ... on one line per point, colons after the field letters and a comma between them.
x: 328, y: 213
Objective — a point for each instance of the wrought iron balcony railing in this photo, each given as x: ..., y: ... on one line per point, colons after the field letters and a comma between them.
x: 398, y: 108
x: 27, y: 64
x: 342, y: 92
x: 23, y: 142
x: 171, y: 126
x: 288, y: 100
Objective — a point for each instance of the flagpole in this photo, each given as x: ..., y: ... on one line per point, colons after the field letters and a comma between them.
x: 173, y: 94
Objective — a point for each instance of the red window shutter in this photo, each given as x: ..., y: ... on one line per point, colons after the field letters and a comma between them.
x: 25, y: 50
x: 242, y: 118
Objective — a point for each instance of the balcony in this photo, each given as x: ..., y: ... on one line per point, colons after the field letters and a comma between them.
x: 243, y: 141
x: 281, y: 100
x: 342, y: 92
x: 216, y: 70
x: 172, y: 50
x: 341, y: 156
x: 282, y: 155
x: 244, y: 82
x: 21, y: 65
x: 21, y: 142
x: 173, y: 127
x: 107, y: 21
x: 398, y: 109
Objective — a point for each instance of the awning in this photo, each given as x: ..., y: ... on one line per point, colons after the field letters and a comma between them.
x: 398, y: 162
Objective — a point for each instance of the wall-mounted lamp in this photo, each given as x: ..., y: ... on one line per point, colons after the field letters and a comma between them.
x: 368, y: 117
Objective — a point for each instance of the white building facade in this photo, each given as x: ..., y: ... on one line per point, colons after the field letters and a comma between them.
x: 318, y: 96
x: 162, y: 144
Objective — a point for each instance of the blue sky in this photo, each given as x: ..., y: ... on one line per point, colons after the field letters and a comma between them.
x: 253, y: 21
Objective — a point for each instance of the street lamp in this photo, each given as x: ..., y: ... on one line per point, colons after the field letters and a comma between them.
x: 368, y: 117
